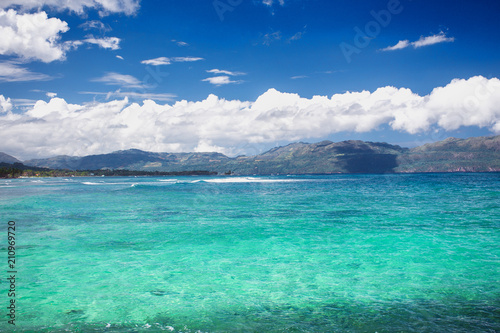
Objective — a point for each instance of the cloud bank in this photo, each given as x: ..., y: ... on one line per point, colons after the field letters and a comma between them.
x: 216, y: 124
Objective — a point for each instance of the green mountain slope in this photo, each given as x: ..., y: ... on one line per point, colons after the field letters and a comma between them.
x: 322, y: 157
x: 481, y: 154
x: 133, y: 159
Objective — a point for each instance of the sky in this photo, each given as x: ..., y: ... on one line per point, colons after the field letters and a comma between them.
x: 82, y: 77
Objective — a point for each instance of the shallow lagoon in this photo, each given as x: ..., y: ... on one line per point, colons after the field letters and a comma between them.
x: 342, y: 253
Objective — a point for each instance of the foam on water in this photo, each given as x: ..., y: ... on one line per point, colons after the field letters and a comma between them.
x: 250, y: 180
x: 91, y: 183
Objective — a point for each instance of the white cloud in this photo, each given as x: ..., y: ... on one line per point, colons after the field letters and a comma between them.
x: 222, y: 79
x: 157, y: 61
x: 31, y: 36
x: 180, y: 43
x: 23, y: 103
x: 5, y: 104
x: 219, y: 80
x: 112, y: 43
x: 11, y: 72
x: 423, y: 41
x: 271, y: 37
x: 117, y: 79
x: 51, y: 94
x: 120, y: 57
x: 167, y: 61
x: 400, y: 45
x: 219, y: 124
x: 298, y: 77
x: 431, y: 40
x: 186, y: 59
x: 104, y: 7
x: 271, y: 2
x: 97, y: 25
x: 220, y: 71
x: 297, y: 36
x: 72, y: 44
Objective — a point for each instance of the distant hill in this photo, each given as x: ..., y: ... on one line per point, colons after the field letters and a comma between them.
x: 4, y: 158
x: 481, y: 154
x: 322, y: 157
x: 133, y: 159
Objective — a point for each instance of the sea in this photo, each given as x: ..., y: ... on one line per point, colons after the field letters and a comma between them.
x: 322, y: 253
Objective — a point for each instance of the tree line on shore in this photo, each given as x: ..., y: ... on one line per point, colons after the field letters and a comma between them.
x: 18, y: 170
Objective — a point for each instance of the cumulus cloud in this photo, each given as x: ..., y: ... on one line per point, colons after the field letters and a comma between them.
x: 104, y: 7
x: 31, y: 36
x: 112, y: 43
x: 423, y: 41
x: 5, y: 104
x: 221, y: 125
x: 167, y: 61
x: 12, y: 72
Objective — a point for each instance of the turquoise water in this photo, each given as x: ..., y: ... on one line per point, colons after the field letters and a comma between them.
x: 343, y: 253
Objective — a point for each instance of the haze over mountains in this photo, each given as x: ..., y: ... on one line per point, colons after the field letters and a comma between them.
x: 4, y: 158
x: 479, y: 154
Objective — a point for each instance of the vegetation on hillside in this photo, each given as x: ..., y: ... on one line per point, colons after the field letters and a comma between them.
x: 480, y: 154
x: 18, y: 170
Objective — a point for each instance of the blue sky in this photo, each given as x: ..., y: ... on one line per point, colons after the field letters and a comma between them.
x: 84, y: 77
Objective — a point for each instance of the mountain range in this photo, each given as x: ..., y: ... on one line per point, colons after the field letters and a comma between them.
x: 478, y: 154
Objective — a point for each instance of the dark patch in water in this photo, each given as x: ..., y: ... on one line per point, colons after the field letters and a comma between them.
x: 158, y: 292
x: 337, y: 315
x: 354, y: 265
x: 116, y: 244
x: 20, y: 247
x: 344, y: 213
x: 75, y: 312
